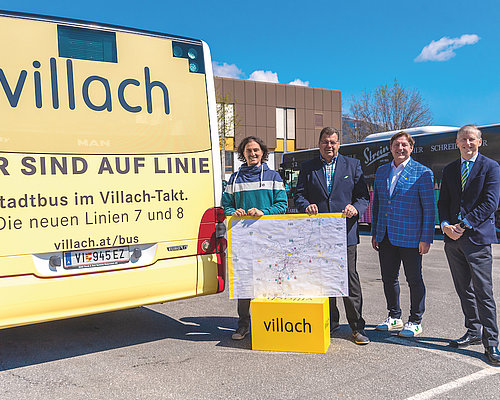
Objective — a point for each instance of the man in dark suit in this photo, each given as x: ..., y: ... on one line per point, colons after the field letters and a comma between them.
x: 469, y: 196
x: 334, y: 183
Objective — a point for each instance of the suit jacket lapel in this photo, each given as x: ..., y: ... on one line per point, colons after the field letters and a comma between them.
x: 320, y: 175
x: 385, y: 176
x: 457, y: 173
x: 473, y: 171
x: 339, y: 173
x: 407, y: 171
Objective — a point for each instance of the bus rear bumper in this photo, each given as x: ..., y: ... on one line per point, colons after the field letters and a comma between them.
x: 28, y: 299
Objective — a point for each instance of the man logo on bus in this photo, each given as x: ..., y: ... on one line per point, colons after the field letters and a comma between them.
x: 13, y: 92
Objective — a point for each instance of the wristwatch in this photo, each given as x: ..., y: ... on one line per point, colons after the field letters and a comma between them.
x: 463, y: 225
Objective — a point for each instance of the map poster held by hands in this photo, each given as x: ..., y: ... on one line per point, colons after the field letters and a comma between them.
x: 292, y: 255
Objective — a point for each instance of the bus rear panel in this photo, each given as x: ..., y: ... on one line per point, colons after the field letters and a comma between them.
x: 109, y: 163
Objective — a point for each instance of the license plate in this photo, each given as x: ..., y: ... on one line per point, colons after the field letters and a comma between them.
x: 96, y: 258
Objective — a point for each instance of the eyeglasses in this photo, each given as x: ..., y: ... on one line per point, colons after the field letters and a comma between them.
x: 326, y: 143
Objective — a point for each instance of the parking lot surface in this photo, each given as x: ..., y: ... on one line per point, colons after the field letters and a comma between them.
x: 183, y: 350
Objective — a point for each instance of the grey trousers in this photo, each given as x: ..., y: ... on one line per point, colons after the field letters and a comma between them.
x: 244, y: 313
x: 353, y: 303
x: 471, y: 270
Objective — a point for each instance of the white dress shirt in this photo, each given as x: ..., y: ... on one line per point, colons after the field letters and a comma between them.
x: 395, y: 173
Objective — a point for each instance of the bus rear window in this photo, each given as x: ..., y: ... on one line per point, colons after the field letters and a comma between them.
x: 86, y: 44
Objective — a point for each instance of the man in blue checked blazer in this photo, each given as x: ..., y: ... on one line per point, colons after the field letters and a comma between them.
x: 334, y: 183
x: 403, y: 230
x: 469, y: 196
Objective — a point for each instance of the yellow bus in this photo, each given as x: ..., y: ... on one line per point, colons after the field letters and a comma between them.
x: 109, y: 169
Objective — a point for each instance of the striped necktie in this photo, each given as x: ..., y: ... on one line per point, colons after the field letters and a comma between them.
x: 465, y: 173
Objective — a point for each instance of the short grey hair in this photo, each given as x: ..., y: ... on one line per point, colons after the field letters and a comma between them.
x: 469, y: 129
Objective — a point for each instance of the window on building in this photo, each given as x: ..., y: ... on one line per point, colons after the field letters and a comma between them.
x: 277, y: 160
x: 280, y: 123
x: 285, y: 123
x: 225, y: 119
x: 229, y: 164
x: 318, y: 120
x: 290, y: 123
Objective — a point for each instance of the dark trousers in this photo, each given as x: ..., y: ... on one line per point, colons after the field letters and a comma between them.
x: 244, y: 313
x: 390, y: 257
x: 471, y: 267
x: 354, y: 302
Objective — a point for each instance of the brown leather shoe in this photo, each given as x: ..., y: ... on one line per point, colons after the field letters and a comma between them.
x: 360, y: 337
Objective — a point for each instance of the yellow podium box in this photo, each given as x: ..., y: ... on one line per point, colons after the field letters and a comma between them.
x: 291, y: 324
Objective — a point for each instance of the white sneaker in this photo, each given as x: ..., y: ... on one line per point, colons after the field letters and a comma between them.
x: 411, y: 329
x: 390, y: 324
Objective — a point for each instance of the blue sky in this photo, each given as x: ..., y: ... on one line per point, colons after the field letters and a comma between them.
x: 350, y: 46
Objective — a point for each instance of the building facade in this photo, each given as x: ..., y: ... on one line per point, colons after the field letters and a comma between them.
x: 286, y: 117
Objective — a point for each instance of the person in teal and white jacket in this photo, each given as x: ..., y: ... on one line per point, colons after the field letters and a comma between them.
x: 253, y: 190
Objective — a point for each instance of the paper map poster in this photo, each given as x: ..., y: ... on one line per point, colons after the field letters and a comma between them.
x: 287, y: 256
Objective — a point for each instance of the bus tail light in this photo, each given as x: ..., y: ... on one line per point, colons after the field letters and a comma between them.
x: 212, y: 239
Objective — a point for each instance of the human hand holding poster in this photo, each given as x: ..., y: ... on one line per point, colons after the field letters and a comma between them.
x: 287, y: 255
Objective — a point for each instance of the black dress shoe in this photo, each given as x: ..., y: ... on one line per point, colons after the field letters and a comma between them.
x: 465, y: 340
x: 492, y: 354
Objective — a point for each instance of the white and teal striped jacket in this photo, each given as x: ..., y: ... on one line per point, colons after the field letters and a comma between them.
x: 255, y: 187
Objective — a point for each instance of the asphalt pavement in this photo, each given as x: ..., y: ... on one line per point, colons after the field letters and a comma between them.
x: 183, y: 350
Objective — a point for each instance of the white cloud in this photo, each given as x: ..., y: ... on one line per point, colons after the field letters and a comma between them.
x: 226, y: 70
x: 298, y: 82
x: 442, y: 49
x: 264, y: 76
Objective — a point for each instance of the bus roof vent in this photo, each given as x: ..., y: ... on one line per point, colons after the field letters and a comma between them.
x: 86, y: 44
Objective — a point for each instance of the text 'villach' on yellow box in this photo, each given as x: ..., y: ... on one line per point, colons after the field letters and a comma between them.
x: 291, y: 324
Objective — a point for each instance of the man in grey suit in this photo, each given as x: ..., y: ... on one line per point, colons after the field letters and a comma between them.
x: 469, y: 196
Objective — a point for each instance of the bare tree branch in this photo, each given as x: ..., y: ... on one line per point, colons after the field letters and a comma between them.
x: 388, y: 108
